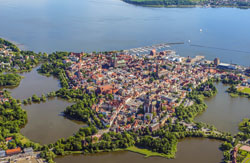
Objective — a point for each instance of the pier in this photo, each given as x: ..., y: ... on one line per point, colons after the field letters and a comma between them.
x: 147, y: 49
x: 219, y: 48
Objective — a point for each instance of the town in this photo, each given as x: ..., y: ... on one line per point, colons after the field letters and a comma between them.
x: 134, y: 91
x: 17, y: 154
x: 141, y: 91
x: 12, y: 59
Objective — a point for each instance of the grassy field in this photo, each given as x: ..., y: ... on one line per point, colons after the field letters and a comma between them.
x: 247, y: 159
x: 146, y: 152
x: 233, y: 95
x: 245, y: 90
x: 23, y: 139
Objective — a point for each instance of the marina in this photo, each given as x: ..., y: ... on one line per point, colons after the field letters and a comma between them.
x: 146, y: 50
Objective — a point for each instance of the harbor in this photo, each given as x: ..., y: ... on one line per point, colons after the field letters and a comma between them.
x: 140, y: 51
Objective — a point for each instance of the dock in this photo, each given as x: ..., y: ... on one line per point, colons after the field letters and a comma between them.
x: 147, y: 49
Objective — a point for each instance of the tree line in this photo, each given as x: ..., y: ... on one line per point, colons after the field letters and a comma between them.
x: 10, y: 79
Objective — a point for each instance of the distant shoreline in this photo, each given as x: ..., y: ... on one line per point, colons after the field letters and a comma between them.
x: 158, y: 4
x: 19, y: 45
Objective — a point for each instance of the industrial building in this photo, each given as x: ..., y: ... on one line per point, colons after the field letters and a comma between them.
x: 226, y: 66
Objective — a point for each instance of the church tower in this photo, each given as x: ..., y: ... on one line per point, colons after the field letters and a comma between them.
x: 115, y: 61
x: 147, y: 104
x: 157, y: 70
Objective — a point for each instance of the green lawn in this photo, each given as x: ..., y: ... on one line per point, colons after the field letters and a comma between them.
x: 233, y: 95
x: 147, y: 152
x: 24, y: 139
x: 247, y: 159
x: 246, y: 90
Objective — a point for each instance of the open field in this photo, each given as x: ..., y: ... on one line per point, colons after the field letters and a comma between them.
x: 233, y: 95
x: 146, y: 152
x: 244, y: 90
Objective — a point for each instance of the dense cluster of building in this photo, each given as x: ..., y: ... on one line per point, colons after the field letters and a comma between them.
x: 8, y: 57
x: 15, y: 151
x: 228, y: 71
x: 137, y: 91
x: 3, y: 98
x: 5, y: 53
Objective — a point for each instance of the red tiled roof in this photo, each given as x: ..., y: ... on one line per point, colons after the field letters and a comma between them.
x: 8, y: 139
x: 13, y: 151
x: 245, y: 148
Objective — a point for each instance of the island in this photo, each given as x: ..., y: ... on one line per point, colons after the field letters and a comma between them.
x: 140, y: 103
x: 190, y: 3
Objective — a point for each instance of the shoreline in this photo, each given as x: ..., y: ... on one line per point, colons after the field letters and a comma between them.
x: 214, y: 134
x: 19, y: 45
x: 140, y: 3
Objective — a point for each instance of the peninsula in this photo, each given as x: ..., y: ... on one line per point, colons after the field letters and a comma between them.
x: 142, y: 103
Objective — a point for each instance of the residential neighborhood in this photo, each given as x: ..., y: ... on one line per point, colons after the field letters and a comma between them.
x: 140, y: 91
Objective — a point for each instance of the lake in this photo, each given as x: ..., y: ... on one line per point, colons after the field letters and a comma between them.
x: 46, y: 123
x: 34, y: 83
x: 225, y: 112
x: 102, y: 25
x: 194, y: 150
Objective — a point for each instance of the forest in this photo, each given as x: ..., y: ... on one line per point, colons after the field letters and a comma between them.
x: 10, y: 79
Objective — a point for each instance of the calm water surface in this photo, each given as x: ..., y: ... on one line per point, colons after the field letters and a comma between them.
x: 189, y: 151
x: 225, y: 112
x: 100, y: 25
x: 34, y: 83
x: 46, y: 123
